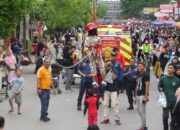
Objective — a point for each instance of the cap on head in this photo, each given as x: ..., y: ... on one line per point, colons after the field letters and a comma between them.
x: 91, y: 26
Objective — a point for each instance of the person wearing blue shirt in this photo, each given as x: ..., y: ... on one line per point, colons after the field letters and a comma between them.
x: 130, y: 82
x: 86, y: 80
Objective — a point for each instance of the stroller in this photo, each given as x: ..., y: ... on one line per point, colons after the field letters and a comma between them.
x: 55, y: 77
x: 3, y: 84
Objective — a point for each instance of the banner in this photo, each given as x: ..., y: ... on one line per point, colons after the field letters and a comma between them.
x: 166, y: 8
x: 150, y: 10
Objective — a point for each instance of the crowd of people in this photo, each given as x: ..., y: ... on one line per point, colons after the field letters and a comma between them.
x: 153, y: 47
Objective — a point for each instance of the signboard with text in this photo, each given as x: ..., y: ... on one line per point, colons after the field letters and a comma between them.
x: 166, y: 8
x: 150, y: 10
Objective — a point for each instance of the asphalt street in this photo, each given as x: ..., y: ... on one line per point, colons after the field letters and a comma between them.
x: 63, y: 112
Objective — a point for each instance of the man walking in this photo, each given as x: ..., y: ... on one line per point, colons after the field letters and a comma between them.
x: 44, y: 83
x: 111, y: 90
x: 130, y: 82
x: 169, y: 84
x: 142, y: 91
x: 68, y: 62
x: 86, y: 80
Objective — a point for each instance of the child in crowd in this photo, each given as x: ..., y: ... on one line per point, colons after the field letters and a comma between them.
x: 92, y: 105
x: 16, y: 91
x: 2, y: 122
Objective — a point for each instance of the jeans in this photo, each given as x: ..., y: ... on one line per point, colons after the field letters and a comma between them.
x: 44, y: 98
x: 69, y: 76
x: 141, y: 108
x: 114, y: 99
x: 166, y: 112
x: 85, y: 85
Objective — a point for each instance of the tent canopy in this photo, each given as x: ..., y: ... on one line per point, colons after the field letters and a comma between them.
x: 158, y: 23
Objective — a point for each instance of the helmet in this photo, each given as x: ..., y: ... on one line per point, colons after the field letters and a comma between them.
x: 91, y: 26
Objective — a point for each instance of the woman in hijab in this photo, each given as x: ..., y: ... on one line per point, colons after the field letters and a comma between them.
x: 10, y: 61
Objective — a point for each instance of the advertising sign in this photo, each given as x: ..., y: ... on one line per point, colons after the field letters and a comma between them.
x: 166, y: 8
x: 150, y: 10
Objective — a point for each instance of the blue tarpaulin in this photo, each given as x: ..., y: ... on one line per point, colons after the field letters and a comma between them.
x: 158, y: 23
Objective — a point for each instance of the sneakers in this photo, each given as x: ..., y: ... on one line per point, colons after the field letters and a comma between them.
x: 145, y: 128
x: 130, y: 107
x: 104, y: 84
x: 140, y: 128
x: 95, y: 85
x: 69, y: 90
x: 45, y: 119
x: 59, y: 91
x: 117, y: 122
x: 79, y: 108
x: 106, y: 121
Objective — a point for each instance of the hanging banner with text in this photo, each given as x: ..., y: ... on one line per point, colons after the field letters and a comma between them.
x: 166, y: 8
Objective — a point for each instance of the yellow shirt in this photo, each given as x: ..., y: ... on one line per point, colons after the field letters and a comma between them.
x: 45, y: 77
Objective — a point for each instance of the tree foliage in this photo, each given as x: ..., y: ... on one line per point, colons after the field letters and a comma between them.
x: 11, y: 12
x: 133, y: 8
x: 54, y: 13
x: 71, y: 13
x: 102, y: 10
x: 65, y: 13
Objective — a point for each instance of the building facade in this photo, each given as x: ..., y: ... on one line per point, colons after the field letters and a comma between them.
x: 114, y: 7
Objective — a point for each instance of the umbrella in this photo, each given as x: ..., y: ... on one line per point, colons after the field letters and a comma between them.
x: 170, y: 22
x: 158, y: 23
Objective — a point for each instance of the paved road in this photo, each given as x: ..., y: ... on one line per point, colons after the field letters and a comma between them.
x: 63, y: 111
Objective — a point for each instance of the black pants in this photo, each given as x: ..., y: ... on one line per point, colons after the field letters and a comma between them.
x: 175, y: 126
x: 85, y: 85
x: 120, y: 86
x: 166, y: 112
x: 130, y: 90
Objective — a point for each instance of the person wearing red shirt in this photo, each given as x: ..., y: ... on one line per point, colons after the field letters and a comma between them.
x: 120, y: 58
x: 92, y: 104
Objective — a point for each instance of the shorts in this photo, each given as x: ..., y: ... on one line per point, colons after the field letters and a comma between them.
x: 17, y: 97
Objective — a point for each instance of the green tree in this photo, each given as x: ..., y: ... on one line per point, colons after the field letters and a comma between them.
x: 133, y: 8
x: 71, y: 13
x: 61, y: 13
x: 11, y: 12
x: 102, y: 10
